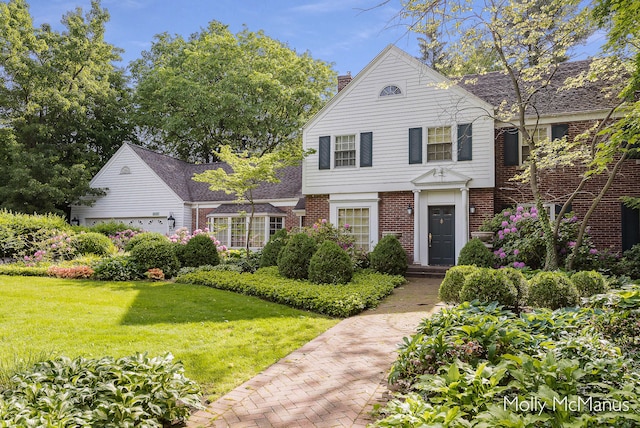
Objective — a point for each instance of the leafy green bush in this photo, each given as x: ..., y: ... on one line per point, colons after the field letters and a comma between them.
x: 19, y: 233
x: 452, y: 283
x: 630, y: 263
x: 93, y: 243
x: 330, y: 265
x: 389, y: 257
x: 112, y: 228
x: 365, y: 290
x: 271, y: 251
x: 552, y: 290
x: 589, y: 283
x: 519, y: 281
x: 116, y: 268
x: 293, y: 261
x: 144, y: 237
x: 19, y: 269
x: 130, y: 391
x: 155, y: 254
x: 200, y: 250
x: 475, y: 253
x: 489, y: 285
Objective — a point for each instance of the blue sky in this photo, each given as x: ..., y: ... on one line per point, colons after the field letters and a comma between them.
x: 347, y: 33
x: 337, y: 31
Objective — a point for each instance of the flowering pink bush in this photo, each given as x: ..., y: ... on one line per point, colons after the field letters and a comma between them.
x: 182, y: 236
x: 519, y: 238
x: 121, y: 238
x: 56, y: 248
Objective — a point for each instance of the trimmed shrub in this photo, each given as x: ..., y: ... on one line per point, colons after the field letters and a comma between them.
x: 519, y: 281
x: 630, y: 263
x: 145, y: 237
x: 366, y: 289
x: 552, y: 290
x: 112, y: 228
x: 489, y: 285
x: 93, y: 243
x: 155, y: 254
x: 293, y: 261
x: 389, y: 257
x: 271, y: 251
x: 330, y: 265
x: 19, y: 269
x: 200, y: 250
x: 74, y: 272
x: 117, y: 268
x: 452, y: 283
x: 475, y: 253
x: 589, y: 283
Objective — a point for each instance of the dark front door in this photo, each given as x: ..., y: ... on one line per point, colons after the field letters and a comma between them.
x: 441, y: 236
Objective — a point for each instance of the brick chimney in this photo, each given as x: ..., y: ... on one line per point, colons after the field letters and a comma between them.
x: 344, y: 81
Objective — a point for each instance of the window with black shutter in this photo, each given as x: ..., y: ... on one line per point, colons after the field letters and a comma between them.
x: 324, y: 153
x: 415, y: 145
x: 464, y: 142
x: 366, y: 149
x: 511, y: 147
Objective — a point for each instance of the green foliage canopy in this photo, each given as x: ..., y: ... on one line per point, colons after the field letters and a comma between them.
x: 63, y: 107
x: 246, y: 90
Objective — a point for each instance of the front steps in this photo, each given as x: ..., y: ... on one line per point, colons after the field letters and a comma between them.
x: 419, y: 271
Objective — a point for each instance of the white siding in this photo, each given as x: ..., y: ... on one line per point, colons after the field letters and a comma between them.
x: 423, y: 104
x: 140, y: 194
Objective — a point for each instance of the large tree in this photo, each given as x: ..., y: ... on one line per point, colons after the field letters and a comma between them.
x: 63, y: 107
x: 246, y: 90
x: 531, y: 39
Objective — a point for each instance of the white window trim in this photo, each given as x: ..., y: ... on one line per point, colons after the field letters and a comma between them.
x: 228, y: 217
x: 356, y: 147
x: 390, y: 96
x: 521, y: 138
x: 425, y: 144
x: 363, y: 200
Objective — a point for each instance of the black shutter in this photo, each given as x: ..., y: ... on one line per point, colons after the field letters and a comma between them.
x: 559, y: 131
x: 415, y: 145
x: 630, y: 227
x: 366, y: 149
x: 324, y: 153
x: 511, y: 149
x: 464, y: 142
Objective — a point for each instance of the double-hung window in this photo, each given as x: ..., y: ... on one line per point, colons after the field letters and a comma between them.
x: 345, y: 151
x: 439, y: 143
x: 537, y: 134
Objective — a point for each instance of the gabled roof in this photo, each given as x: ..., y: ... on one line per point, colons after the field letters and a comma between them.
x: 496, y: 87
x: 177, y: 175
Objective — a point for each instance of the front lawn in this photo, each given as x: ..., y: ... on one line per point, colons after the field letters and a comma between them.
x: 222, y: 338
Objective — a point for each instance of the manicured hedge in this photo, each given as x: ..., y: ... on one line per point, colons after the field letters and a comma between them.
x: 364, y: 291
x: 16, y: 269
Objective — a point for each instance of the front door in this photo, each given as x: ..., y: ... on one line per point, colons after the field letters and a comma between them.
x: 441, y: 236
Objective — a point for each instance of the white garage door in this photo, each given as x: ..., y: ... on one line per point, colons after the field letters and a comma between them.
x: 148, y: 224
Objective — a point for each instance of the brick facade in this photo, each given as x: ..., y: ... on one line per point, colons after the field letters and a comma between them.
x: 317, y: 208
x: 393, y: 217
x: 605, y: 223
x: 482, y: 199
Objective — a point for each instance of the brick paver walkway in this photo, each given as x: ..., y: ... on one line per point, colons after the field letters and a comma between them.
x: 332, y: 381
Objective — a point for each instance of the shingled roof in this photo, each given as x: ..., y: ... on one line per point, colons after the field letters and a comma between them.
x: 496, y: 87
x: 177, y: 175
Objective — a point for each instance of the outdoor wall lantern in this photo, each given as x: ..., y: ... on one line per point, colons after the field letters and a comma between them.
x: 472, y: 209
x: 75, y: 221
x: 172, y: 221
x: 409, y: 209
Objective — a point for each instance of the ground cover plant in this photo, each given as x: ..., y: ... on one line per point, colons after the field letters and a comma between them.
x: 479, y: 365
x: 221, y: 338
x: 366, y: 289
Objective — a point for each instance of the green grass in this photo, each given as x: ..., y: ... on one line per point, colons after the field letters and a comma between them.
x: 221, y: 337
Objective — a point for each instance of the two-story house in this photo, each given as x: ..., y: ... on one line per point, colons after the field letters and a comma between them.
x: 402, y: 150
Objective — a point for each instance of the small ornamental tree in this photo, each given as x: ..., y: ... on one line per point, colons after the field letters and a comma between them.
x: 389, y: 257
x: 330, y: 265
x: 294, y: 259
